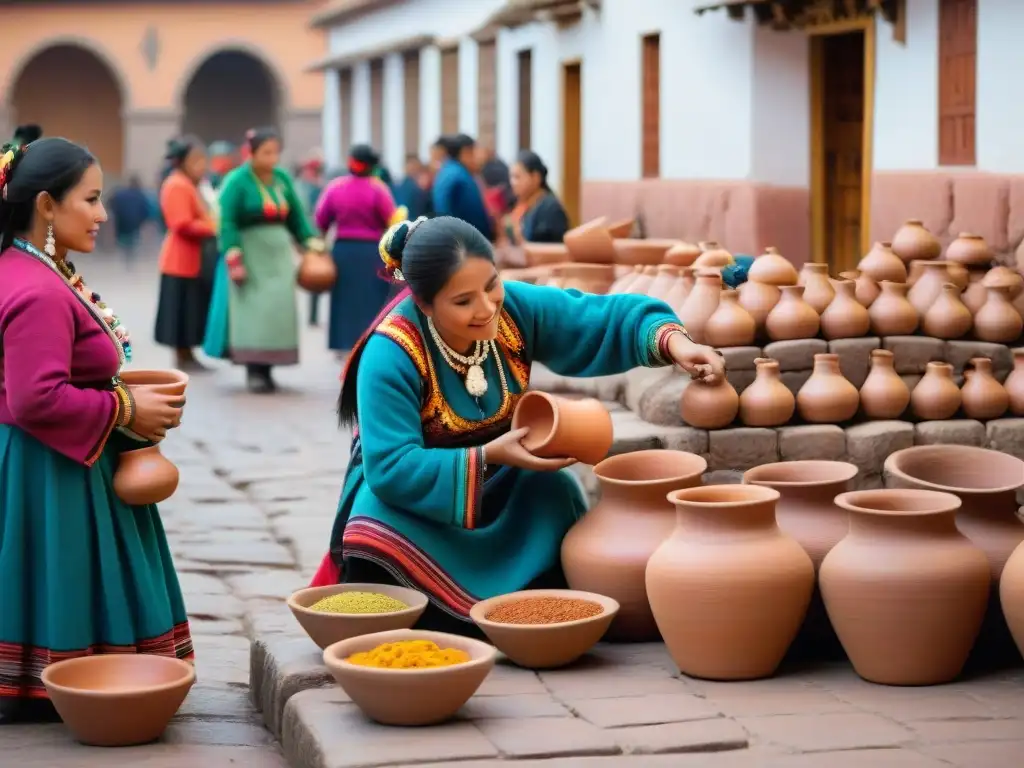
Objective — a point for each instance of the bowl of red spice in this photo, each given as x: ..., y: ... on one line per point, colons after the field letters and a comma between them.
x: 545, y: 628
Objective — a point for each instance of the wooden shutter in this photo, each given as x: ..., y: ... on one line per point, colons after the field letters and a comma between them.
x: 650, y: 128
x: 411, y: 88
x: 958, y: 58
x: 525, y: 60
x: 450, y: 91
x: 345, y: 102
x: 487, y: 89
x: 377, y: 104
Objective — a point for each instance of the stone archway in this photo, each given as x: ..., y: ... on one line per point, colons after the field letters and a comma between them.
x: 229, y: 93
x: 71, y: 92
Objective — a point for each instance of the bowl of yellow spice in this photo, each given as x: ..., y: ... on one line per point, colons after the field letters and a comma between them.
x: 340, y: 611
x: 409, y: 676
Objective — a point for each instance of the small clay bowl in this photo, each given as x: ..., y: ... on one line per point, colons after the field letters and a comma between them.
x: 169, y: 381
x: 119, y: 699
x: 410, y: 696
x: 545, y: 646
x: 562, y: 427
x: 635, y: 251
x: 542, y: 254
x: 327, y: 628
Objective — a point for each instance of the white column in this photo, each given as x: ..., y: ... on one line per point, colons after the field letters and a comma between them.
x: 393, y: 151
x: 361, y: 131
x: 469, y: 78
x: 507, y: 140
x: 330, y: 120
x: 430, y: 97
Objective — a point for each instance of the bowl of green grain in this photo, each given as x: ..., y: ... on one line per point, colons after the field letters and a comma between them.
x: 340, y: 611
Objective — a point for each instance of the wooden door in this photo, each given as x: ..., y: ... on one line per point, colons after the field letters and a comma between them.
x: 650, y: 120
x: 958, y: 63
x: 345, y: 100
x: 487, y: 92
x: 450, y: 91
x: 411, y: 94
x: 377, y: 104
x: 572, y: 140
x: 525, y: 98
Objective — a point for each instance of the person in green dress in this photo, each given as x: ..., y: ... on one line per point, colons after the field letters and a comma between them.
x: 439, y: 494
x: 261, y: 220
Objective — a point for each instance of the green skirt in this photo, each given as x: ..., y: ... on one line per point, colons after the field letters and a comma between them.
x: 81, y: 572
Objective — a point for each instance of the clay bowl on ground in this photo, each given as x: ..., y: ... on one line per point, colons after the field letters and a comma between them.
x: 410, y: 696
x: 327, y: 628
x: 634, y: 251
x: 120, y: 699
x: 545, y: 646
x: 541, y: 254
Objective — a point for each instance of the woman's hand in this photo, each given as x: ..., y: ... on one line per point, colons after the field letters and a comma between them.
x: 154, y: 413
x: 508, y: 451
x: 703, y: 363
x: 236, y: 267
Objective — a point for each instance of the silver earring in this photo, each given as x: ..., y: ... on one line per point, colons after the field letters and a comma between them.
x: 51, y: 245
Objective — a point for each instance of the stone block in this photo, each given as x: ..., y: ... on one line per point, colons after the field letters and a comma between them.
x: 687, y: 439
x: 660, y: 403
x: 722, y: 477
x: 819, y: 732
x: 825, y: 442
x: 639, y: 380
x: 585, y: 474
x: 855, y: 356
x: 633, y: 433
x: 795, y: 379
x: 279, y: 668
x: 958, y: 353
x: 743, y: 448
x: 602, y: 387
x: 740, y: 380
x: 950, y: 432
x: 912, y: 353
x: 911, y: 380
x: 703, y: 736
x: 1006, y: 435
x: 869, y: 444
x: 547, y: 737
x: 797, y: 354
x: 740, y: 358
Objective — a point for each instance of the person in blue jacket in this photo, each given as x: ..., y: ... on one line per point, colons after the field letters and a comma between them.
x: 456, y: 190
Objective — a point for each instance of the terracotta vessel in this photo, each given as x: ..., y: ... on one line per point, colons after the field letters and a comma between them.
x: 713, y: 255
x: 730, y: 325
x: 891, y: 314
x: 884, y: 395
x: 948, y: 317
x: 818, y: 290
x: 623, y: 284
x: 997, y: 320
x: 969, y: 250
x: 984, y: 398
x: 663, y: 282
x: 641, y: 251
x: 880, y: 263
x: 806, y: 509
x: 936, y: 396
x: 564, y: 427
x: 999, y: 277
x: 759, y: 299
x: 767, y: 402
x: 845, y: 317
x: 1015, y: 384
x: 607, y: 550
x: 588, y: 278
x: 680, y: 289
x: 642, y: 284
x: 544, y: 254
x: 905, y: 590
x: 1011, y: 595
x: 976, y: 293
x: 317, y: 272
x: 772, y: 268
x: 827, y: 397
x: 866, y: 289
x: 792, y: 317
x: 590, y: 242
x: 912, y: 241
x: 701, y: 303
x: 728, y: 589
x: 621, y: 228
x: 144, y: 476
x: 709, y: 406
x: 682, y: 254
x: 325, y: 628
x: 928, y: 288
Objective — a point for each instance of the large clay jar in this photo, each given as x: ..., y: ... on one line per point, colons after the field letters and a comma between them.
x: 713, y: 256
x: 621, y: 227
x: 607, y: 551
x: 844, y: 317
x: 767, y: 402
x: 680, y: 289
x: 1015, y: 384
x: 663, y: 282
x: 792, y: 317
x: 818, y: 290
x: 998, y: 320
x: 642, y: 284
x: 912, y: 241
x: 1011, y: 595
x: 866, y: 289
x: 317, y: 272
x: 948, y: 317
x: 827, y: 397
x: 928, y: 288
x: 701, y: 303
x: 728, y: 589
x: 772, y: 268
x: 730, y: 325
x: 806, y: 509
x: 591, y: 242
x: 682, y: 254
x: 905, y: 590
x: 880, y: 263
x: 984, y: 398
x: 891, y: 314
x: 883, y: 395
x: 563, y: 427
x: 759, y: 299
x: 709, y: 406
x: 969, y: 250
x: 144, y: 476
x: 622, y: 285
x: 936, y: 396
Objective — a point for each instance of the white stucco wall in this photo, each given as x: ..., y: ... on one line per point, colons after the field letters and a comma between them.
x: 1000, y: 106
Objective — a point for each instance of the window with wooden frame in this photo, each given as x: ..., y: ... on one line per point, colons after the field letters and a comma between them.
x: 525, y: 75
x: 650, y: 106
x: 345, y: 104
x: 450, y: 91
x: 377, y: 104
x: 487, y: 92
x: 958, y: 64
x: 411, y: 93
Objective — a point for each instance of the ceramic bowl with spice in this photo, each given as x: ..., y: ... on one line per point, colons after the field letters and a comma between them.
x: 545, y: 628
x: 340, y: 611
x: 409, y: 676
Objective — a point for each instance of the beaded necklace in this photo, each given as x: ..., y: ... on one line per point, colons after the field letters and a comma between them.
x: 272, y: 209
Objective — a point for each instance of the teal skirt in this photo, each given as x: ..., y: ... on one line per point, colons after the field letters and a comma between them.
x: 81, y: 572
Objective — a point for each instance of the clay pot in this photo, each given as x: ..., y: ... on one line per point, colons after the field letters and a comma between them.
x: 1015, y: 384
x: 701, y: 303
x: 805, y: 509
x: 818, y: 290
x: 562, y: 427
x: 948, y: 317
x: 827, y: 397
x: 912, y: 241
x: 713, y: 256
x: 772, y: 268
x: 976, y: 293
x: 317, y: 272
x: 607, y: 550
x: 884, y: 395
x: 663, y: 282
x: 621, y: 228
x: 642, y: 284
x: 680, y: 289
x: 936, y: 396
x: 144, y: 476
x: 767, y: 402
x: 637, y: 251
x: 999, y: 277
x: 969, y: 250
x: 728, y: 589
x: 544, y: 254
x: 957, y: 273
x: 730, y: 325
x: 928, y: 287
x: 709, y: 406
x: 891, y: 314
x: 880, y: 263
x: 866, y: 289
x: 759, y: 299
x: 984, y: 398
x: 906, y: 592
x: 845, y: 317
x: 165, y: 381
x: 591, y: 242
x: 792, y: 317
x: 1011, y: 595
x: 588, y: 278
x: 682, y: 254
x: 622, y: 285
x: 997, y: 320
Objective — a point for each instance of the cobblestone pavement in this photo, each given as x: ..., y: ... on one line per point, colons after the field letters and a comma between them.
x: 260, y: 479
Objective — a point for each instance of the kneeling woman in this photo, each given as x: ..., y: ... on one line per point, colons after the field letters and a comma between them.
x: 439, y: 494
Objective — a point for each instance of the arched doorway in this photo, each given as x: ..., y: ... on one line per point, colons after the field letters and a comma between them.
x: 71, y: 92
x: 231, y: 92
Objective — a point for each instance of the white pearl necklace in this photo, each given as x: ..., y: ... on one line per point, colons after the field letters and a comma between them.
x: 476, y: 381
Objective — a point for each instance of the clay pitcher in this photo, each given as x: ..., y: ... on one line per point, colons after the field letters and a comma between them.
x: 663, y: 281
x: 984, y: 398
x: 759, y: 299
x: 827, y: 397
x: 818, y: 290
x: 892, y: 314
x: 866, y: 289
x: 709, y: 406
x: 144, y: 476
x: 948, y: 317
x: 728, y: 589
x: 772, y: 268
x: 884, y: 395
x: 767, y: 402
x: 912, y: 241
x: 845, y: 317
x: 936, y: 396
x: 680, y: 289
x: 607, y: 550
x: 880, y: 263
x: 730, y: 325
x: 1015, y: 384
x: 905, y: 590
x: 969, y: 250
x: 564, y: 427
x: 997, y: 320
x: 928, y: 288
x: 701, y: 303
x: 792, y: 317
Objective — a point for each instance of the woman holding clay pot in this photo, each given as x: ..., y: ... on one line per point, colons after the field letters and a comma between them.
x: 440, y: 493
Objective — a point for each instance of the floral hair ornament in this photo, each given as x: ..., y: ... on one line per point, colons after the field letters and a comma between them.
x: 395, y: 238
x: 6, y: 163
